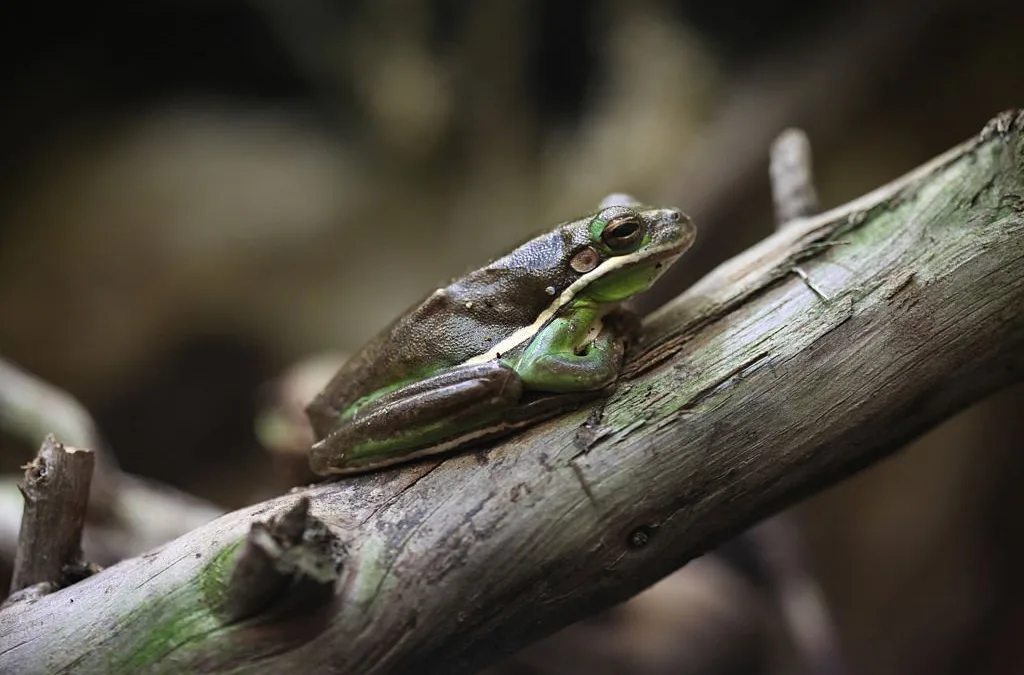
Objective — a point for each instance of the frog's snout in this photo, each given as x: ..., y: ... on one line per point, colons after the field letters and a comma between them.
x: 672, y: 215
x: 676, y: 216
x: 676, y: 225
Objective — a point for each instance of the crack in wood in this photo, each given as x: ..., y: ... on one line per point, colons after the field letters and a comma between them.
x: 393, y: 499
x: 719, y: 383
x: 581, y: 477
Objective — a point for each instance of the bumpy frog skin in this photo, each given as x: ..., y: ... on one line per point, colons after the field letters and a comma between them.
x: 531, y: 334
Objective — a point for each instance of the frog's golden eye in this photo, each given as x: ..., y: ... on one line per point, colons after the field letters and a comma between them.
x: 622, y: 233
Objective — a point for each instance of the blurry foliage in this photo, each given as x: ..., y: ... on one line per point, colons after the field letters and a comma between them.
x: 195, y: 195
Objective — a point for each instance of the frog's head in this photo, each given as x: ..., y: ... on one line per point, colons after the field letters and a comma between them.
x: 627, y: 247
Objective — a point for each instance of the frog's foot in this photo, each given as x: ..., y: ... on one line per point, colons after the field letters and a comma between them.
x: 626, y: 323
x: 563, y: 369
x: 426, y: 417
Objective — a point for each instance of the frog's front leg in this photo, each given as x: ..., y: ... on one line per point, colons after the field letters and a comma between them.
x: 567, y: 357
x: 426, y: 416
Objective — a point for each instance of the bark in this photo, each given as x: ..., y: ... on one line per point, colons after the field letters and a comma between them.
x: 287, y: 566
x: 56, y: 491
x: 752, y: 392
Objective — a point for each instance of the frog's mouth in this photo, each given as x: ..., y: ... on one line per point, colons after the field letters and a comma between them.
x: 658, y: 257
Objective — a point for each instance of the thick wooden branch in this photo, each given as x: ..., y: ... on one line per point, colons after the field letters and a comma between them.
x: 751, y: 393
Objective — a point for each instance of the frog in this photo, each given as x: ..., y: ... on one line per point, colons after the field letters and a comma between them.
x: 530, y: 335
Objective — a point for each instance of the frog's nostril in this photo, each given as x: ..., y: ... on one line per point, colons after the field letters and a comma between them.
x: 674, y: 215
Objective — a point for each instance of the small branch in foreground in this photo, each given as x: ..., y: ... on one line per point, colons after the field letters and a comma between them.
x: 56, y: 491
x: 288, y: 563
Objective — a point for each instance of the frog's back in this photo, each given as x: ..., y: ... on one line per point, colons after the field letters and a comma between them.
x: 453, y: 324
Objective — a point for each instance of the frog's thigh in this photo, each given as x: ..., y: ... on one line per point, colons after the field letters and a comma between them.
x: 433, y: 410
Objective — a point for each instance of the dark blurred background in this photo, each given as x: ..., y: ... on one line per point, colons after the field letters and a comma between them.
x: 198, y: 195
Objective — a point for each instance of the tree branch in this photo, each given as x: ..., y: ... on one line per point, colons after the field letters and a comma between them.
x: 792, y: 177
x: 56, y: 490
x: 752, y: 393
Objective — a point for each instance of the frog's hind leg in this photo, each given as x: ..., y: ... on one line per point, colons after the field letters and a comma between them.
x: 424, y: 417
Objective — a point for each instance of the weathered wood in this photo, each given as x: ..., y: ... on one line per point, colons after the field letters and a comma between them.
x: 792, y: 177
x: 751, y: 393
x: 287, y: 565
x: 56, y: 491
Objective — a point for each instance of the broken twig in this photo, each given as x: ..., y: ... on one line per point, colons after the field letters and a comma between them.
x: 56, y: 491
x: 792, y: 177
x: 288, y: 563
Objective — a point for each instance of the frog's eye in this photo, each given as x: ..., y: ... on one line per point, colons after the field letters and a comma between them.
x: 622, y: 233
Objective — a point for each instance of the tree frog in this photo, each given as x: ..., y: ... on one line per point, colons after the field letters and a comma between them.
x: 526, y: 337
